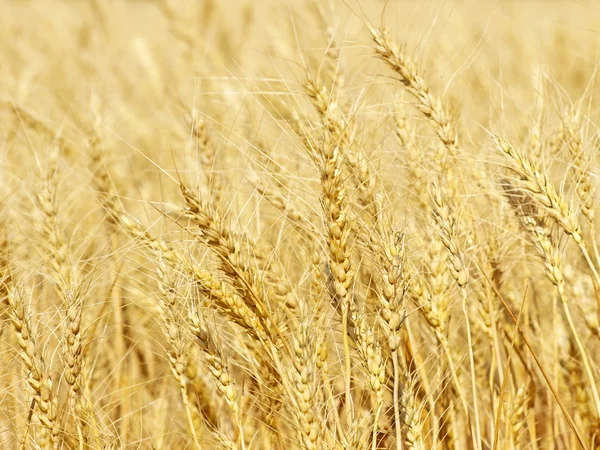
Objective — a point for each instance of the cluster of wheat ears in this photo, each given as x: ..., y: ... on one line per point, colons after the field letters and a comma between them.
x: 307, y: 225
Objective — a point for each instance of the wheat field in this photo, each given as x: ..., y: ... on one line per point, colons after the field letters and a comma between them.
x: 299, y: 224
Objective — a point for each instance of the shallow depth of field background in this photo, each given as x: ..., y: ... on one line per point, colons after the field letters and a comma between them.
x: 159, y: 158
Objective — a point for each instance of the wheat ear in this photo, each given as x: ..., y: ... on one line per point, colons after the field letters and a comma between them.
x: 541, y: 238
x: 227, y: 246
x: 65, y: 275
x: 37, y: 377
x: 447, y: 234
x: 409, y: 76
x: 217, y: 365
x: 217, y: 293
x: 338, y: 226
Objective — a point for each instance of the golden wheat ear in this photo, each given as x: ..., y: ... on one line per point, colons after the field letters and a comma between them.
x: 45, y: 401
